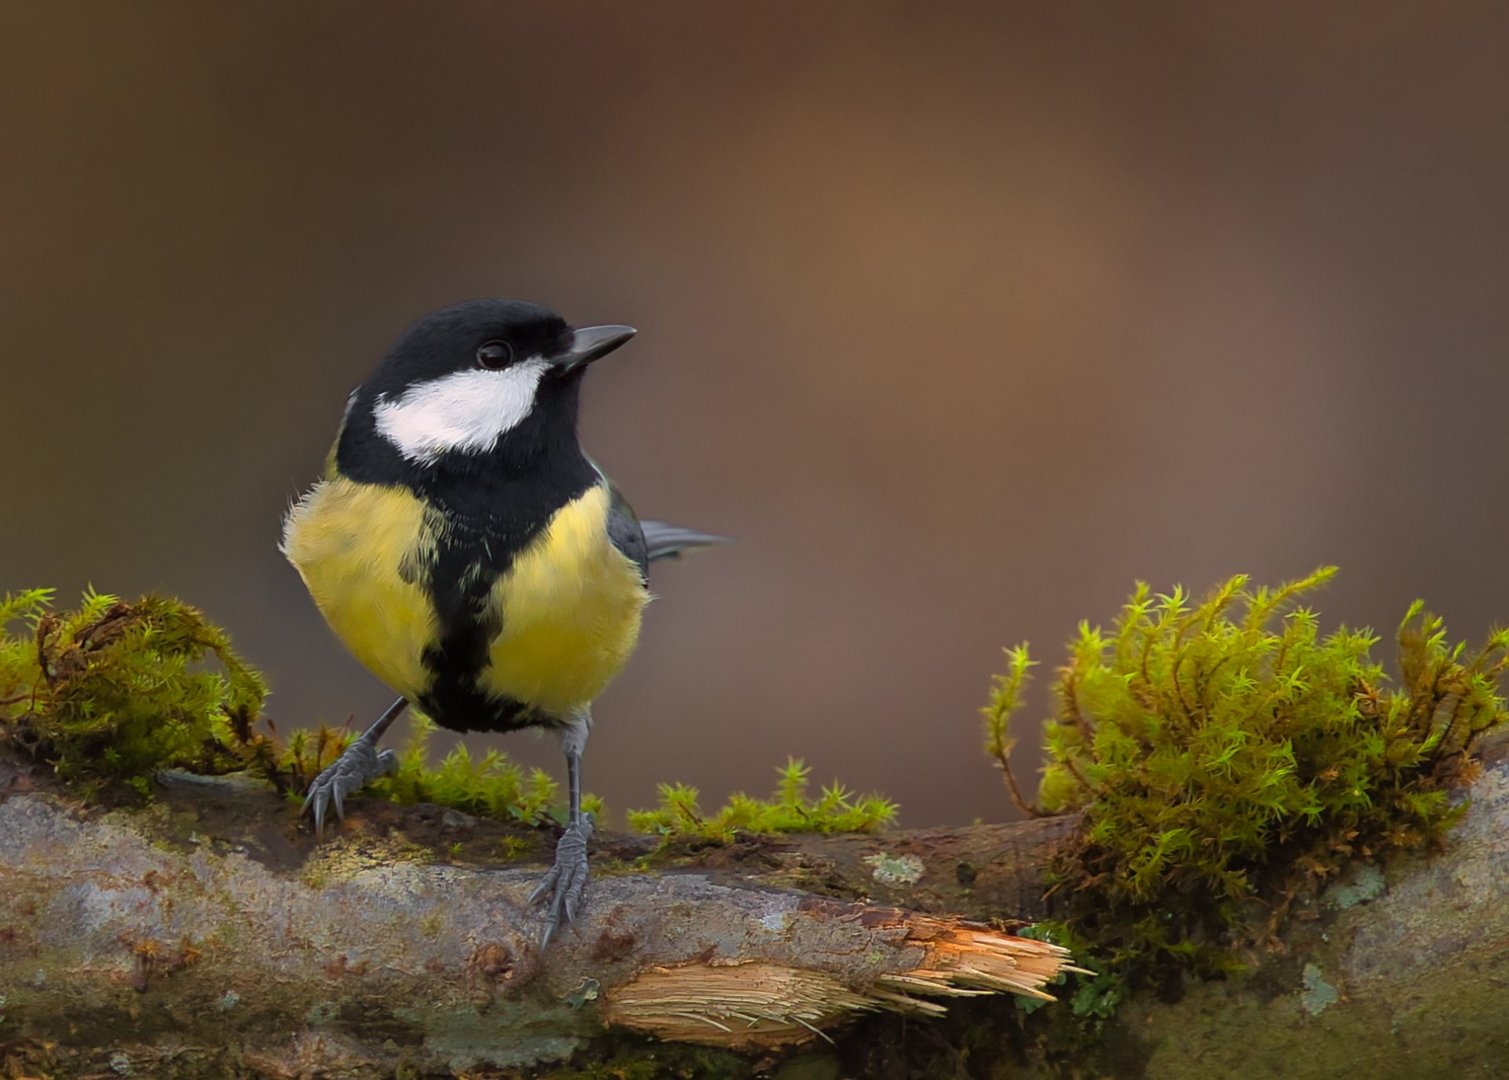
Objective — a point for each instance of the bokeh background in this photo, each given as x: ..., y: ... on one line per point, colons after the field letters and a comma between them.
x: 960, y: 317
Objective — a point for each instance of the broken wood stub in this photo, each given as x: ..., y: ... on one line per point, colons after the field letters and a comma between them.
x: 914, y: 958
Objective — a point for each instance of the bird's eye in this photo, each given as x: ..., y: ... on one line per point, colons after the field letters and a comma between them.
x: 494, y: 354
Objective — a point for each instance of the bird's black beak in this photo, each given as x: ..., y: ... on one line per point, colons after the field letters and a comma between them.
x: 589, y: 343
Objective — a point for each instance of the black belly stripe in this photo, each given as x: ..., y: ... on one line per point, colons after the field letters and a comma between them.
x: 484, y: 509
x: 471, y: 554
x: 468, y: 709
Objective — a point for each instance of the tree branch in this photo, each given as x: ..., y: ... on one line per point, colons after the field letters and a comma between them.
x: 208, y: 935
x: 211, y: 920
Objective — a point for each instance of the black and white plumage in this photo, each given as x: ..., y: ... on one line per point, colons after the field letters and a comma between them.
x: 466, y: 550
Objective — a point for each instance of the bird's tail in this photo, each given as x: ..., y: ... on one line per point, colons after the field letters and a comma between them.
x: 665, y: 541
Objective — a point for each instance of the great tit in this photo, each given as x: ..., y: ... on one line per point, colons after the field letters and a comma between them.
x: 468, y: 552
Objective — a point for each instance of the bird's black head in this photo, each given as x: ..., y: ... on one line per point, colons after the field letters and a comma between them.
x: 479, y: 386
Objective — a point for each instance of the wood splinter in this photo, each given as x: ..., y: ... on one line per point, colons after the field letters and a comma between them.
x: 748, y: 1004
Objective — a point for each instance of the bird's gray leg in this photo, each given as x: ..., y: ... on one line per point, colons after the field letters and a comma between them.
x: 360, y: 764
x: 566, y: 882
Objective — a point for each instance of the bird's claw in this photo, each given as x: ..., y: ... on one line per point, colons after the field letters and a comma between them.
x: 564, y: 885
x: 358, y: 766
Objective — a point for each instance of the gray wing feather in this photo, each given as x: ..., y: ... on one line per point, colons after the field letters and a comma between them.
x: 643, y: 542
x: 627, y: 535
x: 665, y: 541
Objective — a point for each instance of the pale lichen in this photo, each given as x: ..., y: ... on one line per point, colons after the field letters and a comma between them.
x: 1318, y: 995
x: 895, y: 870
x: 1365, y: 882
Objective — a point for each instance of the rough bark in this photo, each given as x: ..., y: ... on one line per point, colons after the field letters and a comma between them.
x: 209, y: 934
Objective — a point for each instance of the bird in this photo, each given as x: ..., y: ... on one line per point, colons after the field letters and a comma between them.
x: 469, y: 553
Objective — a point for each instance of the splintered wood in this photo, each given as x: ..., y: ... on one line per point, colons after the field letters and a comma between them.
x: 761, y: 1004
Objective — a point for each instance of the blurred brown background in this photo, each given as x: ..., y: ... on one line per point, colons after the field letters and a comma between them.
x: 960, y: 317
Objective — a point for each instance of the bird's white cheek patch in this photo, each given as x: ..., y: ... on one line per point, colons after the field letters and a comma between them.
x: 467, y: 411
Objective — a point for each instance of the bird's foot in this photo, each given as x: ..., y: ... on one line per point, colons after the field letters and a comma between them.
x: 566, y: 883
x: 359, y: 764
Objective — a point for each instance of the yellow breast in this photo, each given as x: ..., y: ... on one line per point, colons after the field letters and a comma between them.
x: 571, y: 606
x: 570, y: 603
x: 360, y: 549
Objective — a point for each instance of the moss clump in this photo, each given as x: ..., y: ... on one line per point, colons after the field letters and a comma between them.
x: 490, y: 786
x: 1227, y: 757
x: 789, y: 810
x: 114, y: 692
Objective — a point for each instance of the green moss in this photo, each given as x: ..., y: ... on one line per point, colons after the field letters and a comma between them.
x: 1228, y: 757
x: 490, y: 786
x: 114, y: 692
x: 788, y: 810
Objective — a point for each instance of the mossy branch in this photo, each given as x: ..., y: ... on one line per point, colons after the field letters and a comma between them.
x: 1225, y: 750
x: 113, y: 693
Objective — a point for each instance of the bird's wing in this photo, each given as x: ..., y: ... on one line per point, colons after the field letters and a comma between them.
x: 666, y: 541
x: 646, y: 541
x: 625, y: 531
x: 623, y: 525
